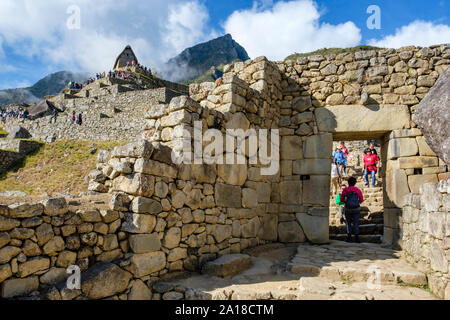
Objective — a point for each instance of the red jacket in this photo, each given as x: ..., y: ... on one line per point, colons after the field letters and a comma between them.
x: 370, y: 162
x: 345, y: 150
x: 352, y: 189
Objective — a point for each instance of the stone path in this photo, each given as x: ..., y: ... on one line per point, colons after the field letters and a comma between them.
x: 338, y: 271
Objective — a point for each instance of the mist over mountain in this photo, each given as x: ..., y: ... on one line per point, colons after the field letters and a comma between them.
x: 195, y: 61
x: 50, y: 85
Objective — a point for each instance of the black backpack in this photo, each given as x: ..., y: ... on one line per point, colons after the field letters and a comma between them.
x: 352, y: 201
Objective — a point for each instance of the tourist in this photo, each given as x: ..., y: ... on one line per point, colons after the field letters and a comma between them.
x: 340, y: 205
x: 72, y: 119
x: 370, y: 165
x: 372, y: 148
x: 339, y: 158
x: 335, y: 177
x: 346, y: 153
x: 80, y: 119
x: 352, y: 197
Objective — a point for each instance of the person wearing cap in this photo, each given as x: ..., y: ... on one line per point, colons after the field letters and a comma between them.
x: 370, y: 166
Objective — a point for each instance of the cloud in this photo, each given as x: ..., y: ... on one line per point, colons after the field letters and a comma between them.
x: 186, y: 25
x: 157, y: 30
x: 292, y: 26
x: 418, y: 33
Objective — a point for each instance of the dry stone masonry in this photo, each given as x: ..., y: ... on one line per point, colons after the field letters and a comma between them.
x: 165, y: 217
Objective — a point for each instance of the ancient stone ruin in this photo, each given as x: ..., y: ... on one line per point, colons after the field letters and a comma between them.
x: 161, y: 217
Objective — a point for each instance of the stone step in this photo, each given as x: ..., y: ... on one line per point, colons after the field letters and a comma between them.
x: 363, y: 238
x: 364, y: 229
x: 354, y: 262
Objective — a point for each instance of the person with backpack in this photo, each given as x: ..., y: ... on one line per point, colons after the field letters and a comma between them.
x: 72, y: 119
x: 80, y: 119
x: 352, y: 197
x: 370, y: 165
x: 339, y: 158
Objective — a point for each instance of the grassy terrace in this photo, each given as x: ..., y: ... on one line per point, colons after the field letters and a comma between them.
x: 56, y: 167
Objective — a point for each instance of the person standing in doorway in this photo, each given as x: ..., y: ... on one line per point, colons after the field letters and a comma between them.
x: 352, y: 197
x: 335, y: 177
x: 372, y: 148
x: 370, y: 166
x: 346, y: 153
x: 338, y: 157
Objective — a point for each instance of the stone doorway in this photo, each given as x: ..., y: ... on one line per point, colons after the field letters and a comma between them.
x: 372, y: 222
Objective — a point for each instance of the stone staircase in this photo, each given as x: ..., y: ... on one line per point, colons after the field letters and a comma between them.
x: 337, y: 271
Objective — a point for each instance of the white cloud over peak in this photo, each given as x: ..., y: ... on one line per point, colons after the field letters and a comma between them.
x: 287, y: 27
x: 157, y: 30
x: 418, y: 33
x: 186, y: 25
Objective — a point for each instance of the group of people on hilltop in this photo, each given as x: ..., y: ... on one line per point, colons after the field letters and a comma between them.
x: 351, y: 197
x: 20, y: 112
x: 134, y: 64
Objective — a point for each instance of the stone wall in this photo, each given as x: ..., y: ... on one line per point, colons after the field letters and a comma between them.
x: 108, y: 115
x: 13, y: 151
x: 426, y: 233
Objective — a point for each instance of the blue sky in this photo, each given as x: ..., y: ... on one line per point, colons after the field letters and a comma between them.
x: 160, y: 29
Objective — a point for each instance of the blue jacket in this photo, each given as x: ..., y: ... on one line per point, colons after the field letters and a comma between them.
x: 339, y: 157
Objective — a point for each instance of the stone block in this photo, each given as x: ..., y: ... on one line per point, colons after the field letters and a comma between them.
x: 396, y: 187
x: 424, y: 148
x: 362, y: 119
x: 291, y: 148
x: 138, y: 223
x: 318, y: 146
x: 137, y: 184
x: 233, y: 174
x: 104, y: 280
x: 227, y: 265
x: 147, y: 263
x: 316, y: 191
x: 139, y: 292
x: 415, y: 181
x: 312, y: 166
x: 25, y: 210
x: 269, y: 227
x: 145, y: 205
x: 144, y: 243
x: 263, y: 191
x: 291, y: 192
x: 138, y: 149
x: 315, y: 227
x: 417, y: 162
x: 222, y: 232
x: 155, y: 168
x: 290, y: 232
x: 430, y: 197
x: 19, y: 287
x: 403, y: 147
x: 55, y: 207
x: 249, y: 198
x: 228, y: 196
x: 33, y: 265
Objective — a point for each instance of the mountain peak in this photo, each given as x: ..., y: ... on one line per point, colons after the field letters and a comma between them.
x: 196, y: 60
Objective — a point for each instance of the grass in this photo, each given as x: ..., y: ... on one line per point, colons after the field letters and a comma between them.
x: 425, y: 287
x: 56, y: 167
x: 3, y: 132
x: 326, y: 51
